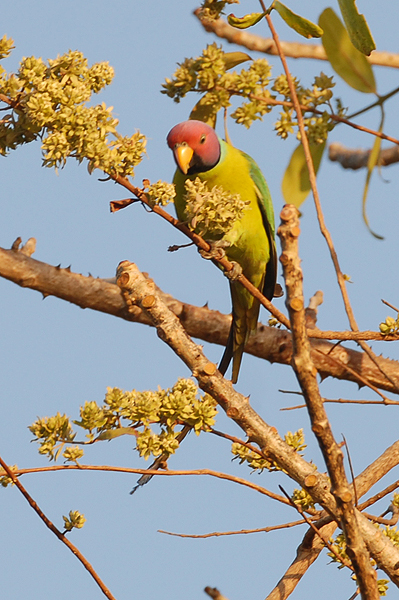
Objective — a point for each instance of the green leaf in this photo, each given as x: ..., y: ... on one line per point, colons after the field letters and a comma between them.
x: 232, y: 59
x: 371, y: 164
x: 296, y: 185
x: 204, y: 111
x: 110, y: 434
x: 245, y: 21
x: 347, y: 62
x: 299, y: 24
x: 357, y: 27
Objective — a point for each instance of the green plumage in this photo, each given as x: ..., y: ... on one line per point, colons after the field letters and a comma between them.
x: 251, y: 241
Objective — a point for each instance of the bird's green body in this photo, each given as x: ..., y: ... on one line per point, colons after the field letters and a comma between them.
x: 251, y: 240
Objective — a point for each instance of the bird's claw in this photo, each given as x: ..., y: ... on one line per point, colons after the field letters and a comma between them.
x: 216, y: 250
x: 235, y: 272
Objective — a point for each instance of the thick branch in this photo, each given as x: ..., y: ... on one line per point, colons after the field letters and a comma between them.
x: 269, y: 343
x: 311, y: 545
x: 137, y: 290
x: 291, y: 49
x: 306, y: 375
x: 307, y: 553
x: 377, y: 469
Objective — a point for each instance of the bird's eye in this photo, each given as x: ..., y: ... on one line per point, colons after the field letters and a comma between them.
x: 203, y: 138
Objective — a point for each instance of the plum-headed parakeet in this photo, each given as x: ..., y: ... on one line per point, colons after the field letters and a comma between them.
x: 199, y: 152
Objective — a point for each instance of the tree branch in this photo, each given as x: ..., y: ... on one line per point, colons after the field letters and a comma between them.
x: 350, y: 158
x: 307, y: 552
x: 63, y: 538
x: 238, y: 532
x: 311, y: 545
x: 269, y: 343
x: 306, y: 375
x: 169, y: 473
x: 137, y: 290
x: 291, y: 49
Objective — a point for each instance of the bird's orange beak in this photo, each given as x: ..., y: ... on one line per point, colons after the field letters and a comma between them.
x: 183, y: 156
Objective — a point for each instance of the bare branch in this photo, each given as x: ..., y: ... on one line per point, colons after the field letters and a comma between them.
x: 152, y: 472
x: 385, y: 554
x: 307, y: 553
x: 350, y: 158
x: 377, y: 470
x: 269, y: 343
x: 239, y: 532
x: 346, y: 401
x: 388, y: 490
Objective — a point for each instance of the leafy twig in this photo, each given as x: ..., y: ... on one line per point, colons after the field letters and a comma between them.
x: 12, y: 475
x: 291, y: 49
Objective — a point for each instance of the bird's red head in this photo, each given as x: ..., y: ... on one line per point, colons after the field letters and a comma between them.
x: 195, y: 146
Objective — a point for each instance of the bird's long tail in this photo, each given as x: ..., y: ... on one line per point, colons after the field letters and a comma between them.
x: 245, y: 318
x: 228, y: 353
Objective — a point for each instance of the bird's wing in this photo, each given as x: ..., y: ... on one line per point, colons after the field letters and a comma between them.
x: 266, y: 209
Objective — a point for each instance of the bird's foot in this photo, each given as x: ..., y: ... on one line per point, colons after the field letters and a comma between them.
x: 216, y: 249
x: 235, y: 272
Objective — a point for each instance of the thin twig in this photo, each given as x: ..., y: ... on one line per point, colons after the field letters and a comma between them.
x: 237, y: 440
x: 238, y: 532
x: 337, y: 118
x: 12, y: 474
x: 168, y: 473
x: 390, y: 305
x: 360, y: 379
x: 351, y: 469
x: 325, y: 541
x: 345, y: 401
x: 388, y: 490
x: 202, y: 244
x: 381, y: 521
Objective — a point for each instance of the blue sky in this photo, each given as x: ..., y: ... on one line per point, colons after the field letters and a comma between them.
x: 56, y: 356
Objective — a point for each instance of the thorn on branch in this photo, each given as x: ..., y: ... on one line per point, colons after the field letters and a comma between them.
x: 28, y: 248
x: 16, y: 244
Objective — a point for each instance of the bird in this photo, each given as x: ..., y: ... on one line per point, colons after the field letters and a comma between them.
x: 199, y: 152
